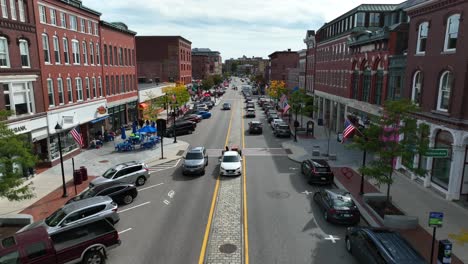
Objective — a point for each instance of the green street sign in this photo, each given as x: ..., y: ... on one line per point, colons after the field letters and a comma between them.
x: 437, y: 153
x: 436, y: 219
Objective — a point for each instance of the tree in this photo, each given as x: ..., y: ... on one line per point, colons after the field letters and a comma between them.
x: 217, y: 79
x: 382, y: 137
x: 301, y: 103
x: 276, y: 89
x: 207, y: 83
x: 15, y: 156
x: 155, y: 104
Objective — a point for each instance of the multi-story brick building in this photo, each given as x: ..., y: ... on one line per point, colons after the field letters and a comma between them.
x: 280, y: 61
x: 257, y: 65
x: 164, y: 59
x: 206, y: 62
x: 309, y: 40
x: 292, y: 78
x: 20, y: 82
x: 119, y: 75
x: 436, y: 79
x: 302, y: 68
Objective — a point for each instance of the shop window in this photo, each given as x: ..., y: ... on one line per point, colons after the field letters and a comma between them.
x: 67, y: 142
x: 445, y: 88
x: 451, y: 35
x: 441, y: 166
x: 422, y: 38
x: 417, y: 83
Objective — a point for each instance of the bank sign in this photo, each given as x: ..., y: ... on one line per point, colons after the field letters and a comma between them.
x: 19, y: 129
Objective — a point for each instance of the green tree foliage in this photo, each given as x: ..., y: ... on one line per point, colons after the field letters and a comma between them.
x: 301, y: 102
x: 15, y: 154
x: 207, y: 83
x: 379, y: 138
x: 217, y: 79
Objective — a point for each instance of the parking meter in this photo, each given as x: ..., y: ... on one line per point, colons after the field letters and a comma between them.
x: 444, y: 254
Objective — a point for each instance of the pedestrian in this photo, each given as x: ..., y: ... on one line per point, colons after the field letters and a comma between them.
x: 227, y: 148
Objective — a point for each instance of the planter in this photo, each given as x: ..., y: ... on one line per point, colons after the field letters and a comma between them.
x: 389, y: 215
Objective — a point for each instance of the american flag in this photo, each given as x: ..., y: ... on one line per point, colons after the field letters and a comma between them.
x: 75, y: 132
x: 286, y: 108
x: 349, y: 128
x: 283, y: 97
x: 174, y: 97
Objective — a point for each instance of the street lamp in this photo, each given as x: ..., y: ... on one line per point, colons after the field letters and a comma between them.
x: 174, y: 115
x: 59, y: 127
x: 296, y: 124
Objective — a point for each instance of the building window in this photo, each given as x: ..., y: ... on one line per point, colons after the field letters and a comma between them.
x: 445, y: 88
x: 76, y: 51
x: 94, y: 88
x: 5, y: 9
x: 374, y: 19
x: 79, y: 89
x: 50, y: 90
x: 21, y: 11
x: 107, y: 86
x: 122, y: 84
x: 111, y: 57
x: 126, y: 57
x: 98, y: 54
x: 88, y: 88
x: 422, y: 37
x: 66, y: 56
x: 416, y: 93
x: 451, y: 35
x: 63, y: 20
x: 82, y: 25
x: 91, y: 53
x: 355, y: 84
x: 120, y: 56
x: 113, y: 84
x: 18, y: 98
x: 4, y: 56
x: 359, y: 20
x: 13, y: 9
x: 45, y: 48
x: 96, y: 29
x: 115, y: 57
x: 73, y: 23
x: 90, y: 27
x: 378, y: 87
x: 69, y: 91
x: 53, y: 17
x: 42, y: 13
x: 85, y: 53
x: 60, y: 91
x: 24, y: 52
x: 105, y: 54
x: 100, y: 86
x: 56, y: 49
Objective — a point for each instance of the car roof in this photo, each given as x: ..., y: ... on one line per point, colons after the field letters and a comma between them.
x: 126, y: 164
x: 68, y: 208
x: 255, y: 122
x: 319, y: 162
x: 197, y: 149
x: 338, y: 192
x: 100, y: 187
x: 231, y: 153
x: 250, y: 109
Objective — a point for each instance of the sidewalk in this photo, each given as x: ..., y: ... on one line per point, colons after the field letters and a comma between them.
x: 409, y: 196
x: 48, y: 184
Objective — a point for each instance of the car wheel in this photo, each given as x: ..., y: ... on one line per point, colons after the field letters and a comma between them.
x: 140, y: 181
x: 94, y: 257
x: 128, y: 199
x: 348, y: 244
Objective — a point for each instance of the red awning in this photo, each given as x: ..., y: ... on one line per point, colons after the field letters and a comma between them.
x: 142, y: 106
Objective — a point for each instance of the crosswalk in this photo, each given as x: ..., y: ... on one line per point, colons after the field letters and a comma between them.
x: 164, y: 166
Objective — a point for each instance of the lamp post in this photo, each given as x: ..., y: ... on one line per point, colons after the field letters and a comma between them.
x: 361, y: 187
x: 59, y: 127
x: 296, y: 124
x: 174, y: 115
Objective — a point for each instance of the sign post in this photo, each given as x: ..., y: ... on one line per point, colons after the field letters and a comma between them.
x: 435, y: 221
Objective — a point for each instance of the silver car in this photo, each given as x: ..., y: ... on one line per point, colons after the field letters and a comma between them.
x: 195, y: 161
x: 84, y: 211
x: 131, y: 172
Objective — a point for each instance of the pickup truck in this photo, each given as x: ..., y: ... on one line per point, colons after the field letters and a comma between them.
x: 87, y: 243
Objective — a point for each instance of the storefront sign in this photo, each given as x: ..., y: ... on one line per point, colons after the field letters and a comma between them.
x: 437, y: 153
x: 101, y: 110
x: 18, y: 129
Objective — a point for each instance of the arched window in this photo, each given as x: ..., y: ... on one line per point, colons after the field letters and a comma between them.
x: 451, y: 34
x: 416, y: 91
x: 366, y: 84
x: 422, y: 37
x: 445, y: 88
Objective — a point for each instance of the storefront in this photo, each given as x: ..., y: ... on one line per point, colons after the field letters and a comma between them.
x: 117, y: 117
x: 132, y: 111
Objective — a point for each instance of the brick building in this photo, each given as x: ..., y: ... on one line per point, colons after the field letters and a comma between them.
x: 436, y: 79
x: 206, y: 62
x: 119, y: 75
x: 20, y: 82
x: 309, y: 81
x: 292, y: 78
x: 164, y: 59
x: 257, y: 65
x: 280, y: 61
x: 302, y: 68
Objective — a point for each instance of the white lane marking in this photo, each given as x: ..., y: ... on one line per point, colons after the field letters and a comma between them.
x: 332, y: 238
x: 171, y: 194
x: 133, y: 207
x: 177, y: 163
x: 292, y: 168
x: 307, y: 192
x: 123, y: 231
x: 166, y: 202
x: 152, y: 186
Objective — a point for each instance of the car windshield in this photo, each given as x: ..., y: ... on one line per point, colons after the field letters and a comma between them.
x: 86, y: 194
x: 231, y: 159
x: 343, y: 201
x: 109, y: 173
x: 55, y: 218
x: 194, y: 156
x: 322, y: 169
x: 283, y: 127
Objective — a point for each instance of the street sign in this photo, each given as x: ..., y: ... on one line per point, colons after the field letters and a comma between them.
x: 436, y: 219
x: 437, y: 153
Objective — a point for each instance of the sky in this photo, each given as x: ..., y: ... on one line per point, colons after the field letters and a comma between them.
x: 233, y: 27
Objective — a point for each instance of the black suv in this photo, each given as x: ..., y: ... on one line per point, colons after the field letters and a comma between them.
x: 255, y: 127
x: 181, y: 128
x: 317, y: 171
x: 378, y: 245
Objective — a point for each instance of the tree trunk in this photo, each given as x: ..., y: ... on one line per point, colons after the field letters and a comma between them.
x: 388, y: 188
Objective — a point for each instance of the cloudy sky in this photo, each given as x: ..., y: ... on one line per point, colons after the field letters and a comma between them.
x: 232, y: 27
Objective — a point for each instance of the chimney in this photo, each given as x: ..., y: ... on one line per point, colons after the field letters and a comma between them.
x: 289, y: 49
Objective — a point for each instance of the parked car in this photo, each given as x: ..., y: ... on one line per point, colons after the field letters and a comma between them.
x: 181, y: 127
x: 128, y: 172
x: 248, y: 99
x: 80, y: 212
x: 337, y: 206
x: 255, y: 127
x: 195, y: 161
x: 231, y: 163
x: 120, y: 193
x: 317, y: 171
x: 276, y: 121
x: 272, y: 115
x: 204, y: 114
x: 250, y: 105
x: 86, y: 243
x: 201, y: 107
x: 250, y: 112
x: 210, y: 104
x: 226, y: 106
x: 282, y: 130
x: 380, y: 245
x: 266, y: 108
x: 192, y: 117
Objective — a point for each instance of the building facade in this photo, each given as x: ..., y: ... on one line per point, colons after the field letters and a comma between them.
x: 206, y: 62
x: 293, y: 78
x: 20, y: 81
x: 279, y: 62
x: 119, y: 77
x: 309, y: 81
x: 164, y: 59
x: 256, y: 65
x: 436, y: 80
x: 302, y: 68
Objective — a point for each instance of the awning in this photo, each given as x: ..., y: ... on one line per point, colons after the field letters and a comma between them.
x: 99, y: 119
x: 142, y: 106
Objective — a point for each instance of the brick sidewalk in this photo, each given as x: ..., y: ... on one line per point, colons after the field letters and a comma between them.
x: 419, y: 238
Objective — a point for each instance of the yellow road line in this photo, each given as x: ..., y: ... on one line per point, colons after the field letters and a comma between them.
x: 244, y: 187
x: 201, y: 259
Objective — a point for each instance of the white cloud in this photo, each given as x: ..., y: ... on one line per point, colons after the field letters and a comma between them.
x: 234, y: 28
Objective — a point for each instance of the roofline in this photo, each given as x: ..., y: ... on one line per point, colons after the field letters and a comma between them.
x: 282, y: 52
x: 79, y: 5
x: 146, y: 36
x: 113, y: 26
x: 419, y: 5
